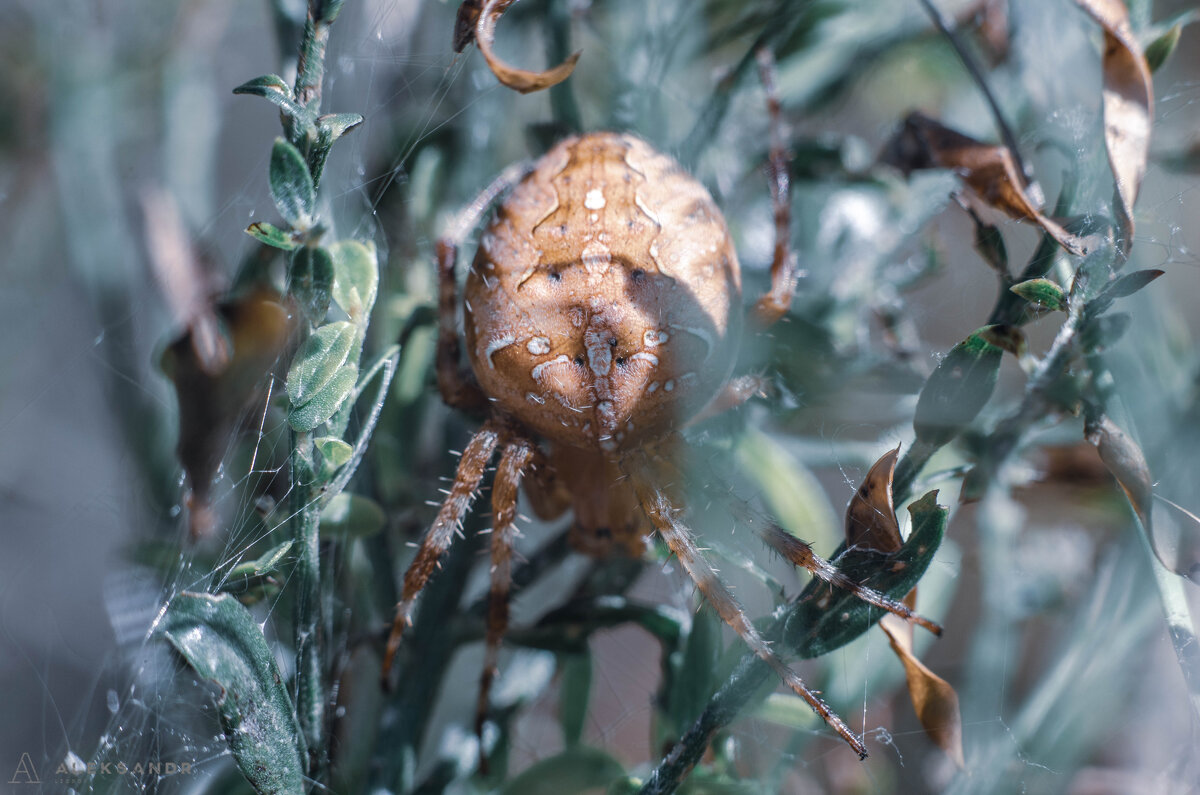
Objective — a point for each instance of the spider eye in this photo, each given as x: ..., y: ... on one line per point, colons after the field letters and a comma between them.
x: 555, y: 276
x: 620, y: 361
x: 579, y: 361
x: 639, y: 275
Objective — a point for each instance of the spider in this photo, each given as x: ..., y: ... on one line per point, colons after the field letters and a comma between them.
x: 602, y: 314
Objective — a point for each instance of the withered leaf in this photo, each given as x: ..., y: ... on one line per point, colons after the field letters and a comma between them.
x: 934, y: 700
x: 990, y: 171
x: 465, y: 22
x: 1125, y: 460
x: 1128, y: 100
x: 871, y: 517
x: 485, y: 18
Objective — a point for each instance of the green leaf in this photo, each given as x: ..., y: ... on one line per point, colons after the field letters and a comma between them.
x: 1104, y: 331
x: 791, y: 491
x: 335, y: 125
x: 574, y: 694
x: 334, y: 453
x: 1042, y: 292
x: 311, y: 281
x: 574, y: 770
x: 351, y: 516
x: 990, y: 245
x: 273, y: 89
x: 355, y: 278
x: 825, y: 618
x: 292, y: 185
x: 318, y: 360
x: 325, y: 402
x: 1008, y: 338
x: 1130, y: 283
x: 785, y: 709
x: 272, y: 235
x: 221, y: 641
x: 957, y: 390
x: 1161, y: 48
x: 249, y: 582
x: 696, y: 678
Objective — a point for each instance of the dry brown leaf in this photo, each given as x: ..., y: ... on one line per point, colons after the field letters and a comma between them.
x: 990, y: 171
x: 934, y: 700
x: 485, y: 18
x: 871, y: 523
x: 465, y: 22
x: 1125, y: 460
x: 871, y: 517
x: 1128, y: 99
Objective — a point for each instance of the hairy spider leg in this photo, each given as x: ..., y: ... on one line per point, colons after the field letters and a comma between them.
x: 514, y: 461
x: 799, y: 553
x: 679, y: 538
x: 778, y: 299
x: 449, y: 521
x: 735, y: 392
x: 548, y: 495
x: 457, y: 384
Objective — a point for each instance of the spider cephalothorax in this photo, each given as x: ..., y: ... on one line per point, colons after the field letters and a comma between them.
x: 602, y: 314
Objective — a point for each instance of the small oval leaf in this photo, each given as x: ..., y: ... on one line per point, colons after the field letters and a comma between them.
x: 273, y: 89
x: 1130, y: 283
x: 957, y: 390
x: 335, y: 125
x: 334, y: 452
x: 311, y: 281
x: 355, y: 277
x: 326, y: 402
x: 271, y: 235
x: 351, y: 516
x: 1161, y: 48
x: 291, y: 185
x: 1042, y: 292
x: 318, y: 360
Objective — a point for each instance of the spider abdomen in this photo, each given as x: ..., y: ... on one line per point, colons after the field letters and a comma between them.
x: 603, y: 305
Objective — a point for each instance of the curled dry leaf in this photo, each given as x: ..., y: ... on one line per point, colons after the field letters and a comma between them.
x: 1128, y: 99
x: 1125, y: 460
x: 477, y: 21
x: 934, y: 700
x: 871, y: 517
x: 871, y: 523
x: 990, y: 171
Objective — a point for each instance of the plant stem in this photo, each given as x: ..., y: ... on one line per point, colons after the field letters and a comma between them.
x: 306, y: 520
x: 310, y: 68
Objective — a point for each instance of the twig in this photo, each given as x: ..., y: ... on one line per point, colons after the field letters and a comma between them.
x: 968, y: 61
